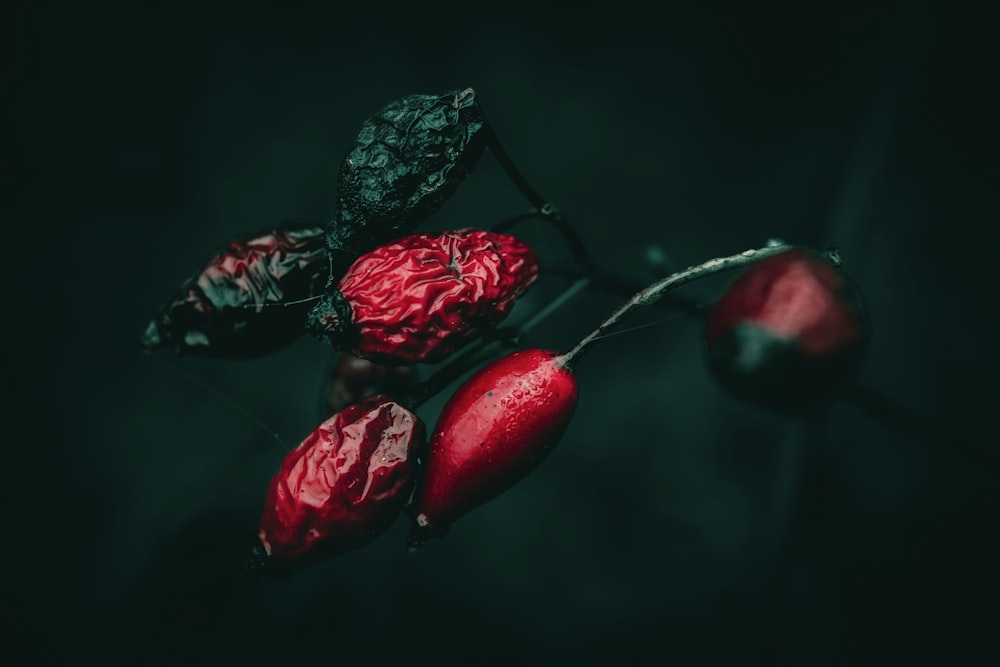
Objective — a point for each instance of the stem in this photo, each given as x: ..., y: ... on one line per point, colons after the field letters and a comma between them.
x: 624, y: 288
x: 673, y: 302
x: 602, y: 280
x: 547, y: 211
x: 554, y: 305
x: 444, y: 377
x: 474, y: 356
x: 543, y: 208
x: 515, y: 175
x: 657, y: 290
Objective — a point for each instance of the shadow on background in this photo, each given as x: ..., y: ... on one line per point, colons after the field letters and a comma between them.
x: 672, y: 523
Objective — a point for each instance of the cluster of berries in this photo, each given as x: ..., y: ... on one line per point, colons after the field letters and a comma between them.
x: 787, y: 333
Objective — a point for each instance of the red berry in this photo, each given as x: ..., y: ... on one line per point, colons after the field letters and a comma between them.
x: 788, y: 332
x: 342, y: 486
x: 497, y: 427
x: 422, y: 297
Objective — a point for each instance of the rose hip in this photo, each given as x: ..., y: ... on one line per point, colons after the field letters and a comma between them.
x: 406, y: 161
x: 496, y: 428
x: 341, y: 487
x: 788, y: 332
x: 230, y: 307
x: 424, y: 296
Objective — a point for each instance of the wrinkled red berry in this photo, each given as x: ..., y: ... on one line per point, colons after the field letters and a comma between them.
x: 496, y: 428
x: 342, y: 486
x: 352, y: 378
x: 240, y: 304
x: 424, y: 296
x: 787, y: 332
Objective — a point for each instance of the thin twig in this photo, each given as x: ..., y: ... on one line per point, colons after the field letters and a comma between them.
x: 544, y: 208
x: 475, y: 355
x: 657, y: 290
x: 601, y: 280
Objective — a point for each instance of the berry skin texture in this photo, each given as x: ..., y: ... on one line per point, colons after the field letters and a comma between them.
x: 787, y: 333
x: 407, y: 160
x: 422, y: 297
x: 226, y: 309
x: 342, y: 486
x: 493, y: 431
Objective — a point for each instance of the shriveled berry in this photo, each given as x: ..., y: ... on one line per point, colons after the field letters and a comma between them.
x: 788, y: 332
x: 493, y: 431
x: 422, y: 297
x: 244, y: 301
x: 353, y: 378
x: 406, y: 161
x: 342, y: 486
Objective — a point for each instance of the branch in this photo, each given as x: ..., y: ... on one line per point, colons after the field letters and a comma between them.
x: 476, y: 355
x: 660, y: 288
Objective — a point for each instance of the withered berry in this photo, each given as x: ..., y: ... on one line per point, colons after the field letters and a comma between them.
x: 247, y: 299
x: 422, y: 297
x: 341, y: 487
x: 406, y: 161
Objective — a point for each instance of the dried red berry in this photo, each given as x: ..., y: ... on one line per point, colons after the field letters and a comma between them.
x: 788, y: 332
x: 424, y: 296
x: 228, y: 308
x: 496, y: 428
x: 342, y: 486
x: 353, y: 378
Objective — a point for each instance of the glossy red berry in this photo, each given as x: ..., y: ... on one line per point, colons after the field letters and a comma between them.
x: 342, y: 486
x: 422, y: 297
x: 496, y: 428
x: 788, y: 332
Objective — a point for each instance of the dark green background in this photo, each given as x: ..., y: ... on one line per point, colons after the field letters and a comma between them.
x: 672, y: 522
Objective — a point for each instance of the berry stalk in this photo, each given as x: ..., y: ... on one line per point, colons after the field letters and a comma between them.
x: 542, y: 208
x: 651, y: 295
x: 475, y: 356
x: 547, y: 211
x: 656, y: 291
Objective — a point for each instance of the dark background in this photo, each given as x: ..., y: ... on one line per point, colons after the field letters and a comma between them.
x: 672, y: 522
